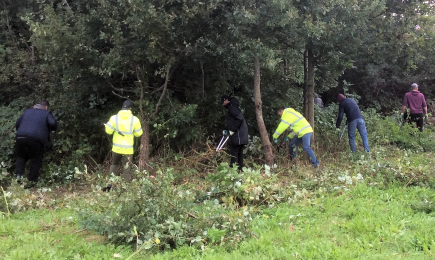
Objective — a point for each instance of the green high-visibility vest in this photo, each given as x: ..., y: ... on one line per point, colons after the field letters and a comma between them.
x: 297, y: 123
x: 129, y: 126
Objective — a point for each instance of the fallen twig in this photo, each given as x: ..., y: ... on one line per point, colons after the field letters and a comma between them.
x: 41, y: 229
x: 189, y: 214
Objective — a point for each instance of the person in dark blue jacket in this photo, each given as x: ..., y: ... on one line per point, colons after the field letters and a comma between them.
x: 355, y: 121
x: 237, y: 129
x: 33, y: 134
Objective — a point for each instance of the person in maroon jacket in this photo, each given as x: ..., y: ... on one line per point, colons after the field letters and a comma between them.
x: 416, y: 102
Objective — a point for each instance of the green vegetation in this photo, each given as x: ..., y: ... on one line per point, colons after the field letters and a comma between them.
x: 364, y: 222
x: 174, y: 59
x: 355, y: 206
x: 52, y: 234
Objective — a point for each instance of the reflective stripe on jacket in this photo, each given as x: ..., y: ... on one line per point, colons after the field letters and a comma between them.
x: 297, y: 123
x: 128, y: 125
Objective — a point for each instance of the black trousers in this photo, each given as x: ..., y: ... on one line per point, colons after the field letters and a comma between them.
x: 417, y: 118
x: 124, y: 160
x: 28, y: 149
x: 237, y: 156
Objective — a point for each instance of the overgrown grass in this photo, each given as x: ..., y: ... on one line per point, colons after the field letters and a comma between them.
x: 44, y: 234
x: 363, y: 223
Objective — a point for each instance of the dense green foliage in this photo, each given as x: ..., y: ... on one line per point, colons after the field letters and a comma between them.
x: 175, y: 58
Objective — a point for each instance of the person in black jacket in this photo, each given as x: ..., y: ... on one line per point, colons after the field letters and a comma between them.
x: 237, y: 129
x: 33, y: 133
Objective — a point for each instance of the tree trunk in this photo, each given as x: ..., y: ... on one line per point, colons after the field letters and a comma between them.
x: 144, y: 154
x: 305, y: 104
x: 144, y: 150
x: 145, y: 139
x: 202, y: 81
x: 309, y: 87
x: 259, y: 114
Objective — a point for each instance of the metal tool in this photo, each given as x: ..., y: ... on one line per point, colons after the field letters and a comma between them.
x: 344, y: 129
x: 116, y: 130
x: 221, y: 144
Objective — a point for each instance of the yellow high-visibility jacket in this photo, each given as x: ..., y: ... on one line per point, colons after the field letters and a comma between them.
x: 297, y: 123
x: 127, y: 124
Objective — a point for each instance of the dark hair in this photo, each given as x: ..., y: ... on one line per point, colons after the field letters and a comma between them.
x: 280, y: 108
x: 44, y: 103
x: 225, y: 97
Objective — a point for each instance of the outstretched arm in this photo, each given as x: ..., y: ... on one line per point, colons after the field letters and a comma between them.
x: 340, y: 116
x: 51, y: 121
x: 280, y: 129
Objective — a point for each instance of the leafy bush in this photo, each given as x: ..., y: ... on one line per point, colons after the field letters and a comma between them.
x: 153, y: 213
x: 8, y: 117
x: 247, y: 188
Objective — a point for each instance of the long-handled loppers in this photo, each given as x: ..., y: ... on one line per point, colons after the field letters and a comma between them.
x: 221, y: 144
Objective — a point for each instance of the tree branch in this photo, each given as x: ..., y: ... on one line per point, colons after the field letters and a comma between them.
x: 189, y: 214
x: 139, y: 78
x: 119, y: 95
x: 9, y: 25
x: 119, y: 89
x: 165, y: 88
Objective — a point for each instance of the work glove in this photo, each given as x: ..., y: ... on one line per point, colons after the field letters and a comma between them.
x: 402, y: 116
x: 338, y: 130
x: 225, y: 132
x: 231, y: 132
x: 275, y: 140
x: 426, y: 118
x: 286, y: 139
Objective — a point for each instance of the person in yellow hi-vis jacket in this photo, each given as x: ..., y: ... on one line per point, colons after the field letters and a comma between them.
x: 124, y: 127
x: 301, y: 132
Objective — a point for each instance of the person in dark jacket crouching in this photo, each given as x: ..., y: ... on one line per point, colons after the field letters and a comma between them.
x: 33, y: 134
x: 237, y: 129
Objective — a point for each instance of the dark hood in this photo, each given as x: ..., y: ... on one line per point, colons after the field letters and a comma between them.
x: 415, y: 93
x: 233, y: 102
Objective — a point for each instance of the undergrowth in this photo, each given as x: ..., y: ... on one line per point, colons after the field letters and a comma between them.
x: 197, y: 202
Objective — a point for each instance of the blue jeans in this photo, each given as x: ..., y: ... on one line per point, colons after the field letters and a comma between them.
x: 305, y: 140
x: 361, y: 126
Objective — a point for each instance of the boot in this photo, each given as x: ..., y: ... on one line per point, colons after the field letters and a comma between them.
x: 19, y: 180
x: 30, y: 184
x: 107, y: 189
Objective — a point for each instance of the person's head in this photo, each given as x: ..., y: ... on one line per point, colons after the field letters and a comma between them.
x: 225, y: 99
x: 340, y: 98
x: 127, y: 105
x: 45, y: 104
x: 414, y: 86
x: 280, y: 110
